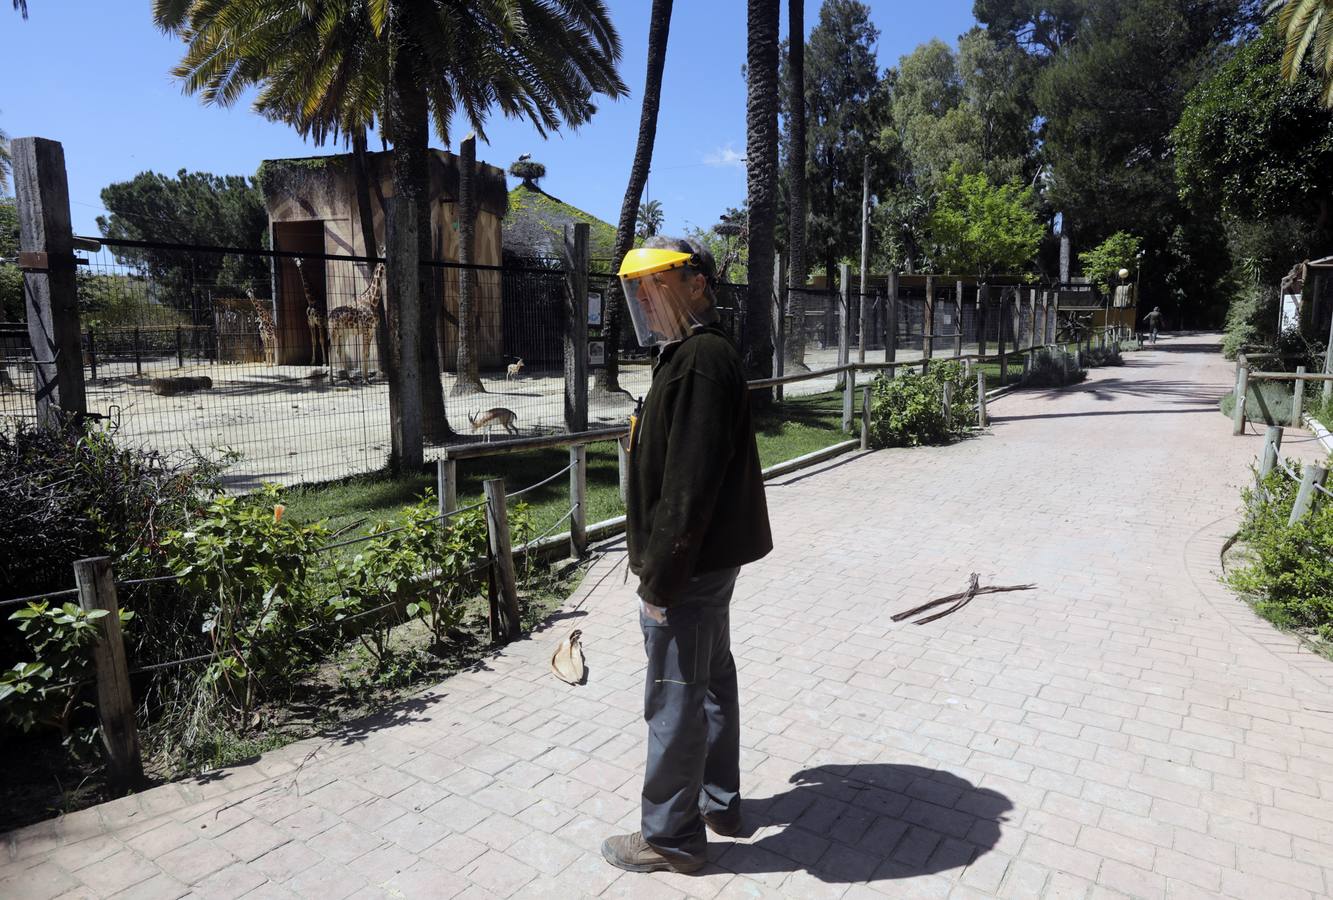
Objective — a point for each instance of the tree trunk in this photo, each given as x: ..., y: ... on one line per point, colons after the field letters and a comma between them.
x: 796, y: 268
x: 406, y: 107
x: 467, y: 381
x: 761, y: 150
x: 608, y: 377
x: 434, y: 417
x: 361, y: 176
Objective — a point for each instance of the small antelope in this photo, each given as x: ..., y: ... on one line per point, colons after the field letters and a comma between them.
x: 487, y: 420
x: 513, y: 369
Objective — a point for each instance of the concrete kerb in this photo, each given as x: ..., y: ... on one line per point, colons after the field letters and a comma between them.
x: 1320, y: 432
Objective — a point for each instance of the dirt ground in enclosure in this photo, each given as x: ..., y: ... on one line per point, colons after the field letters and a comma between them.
x: 288, y: 424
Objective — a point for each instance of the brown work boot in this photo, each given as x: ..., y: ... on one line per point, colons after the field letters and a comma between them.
x: 633, y: 854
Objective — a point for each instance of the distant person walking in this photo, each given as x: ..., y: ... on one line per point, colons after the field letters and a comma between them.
x: 1153, y: 320
x: 695, y: 513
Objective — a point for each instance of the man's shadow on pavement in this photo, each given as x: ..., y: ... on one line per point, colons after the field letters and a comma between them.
x: 865, y: 822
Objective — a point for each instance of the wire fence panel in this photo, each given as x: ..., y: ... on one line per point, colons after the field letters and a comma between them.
x: 17, y: 398
x: 238, y: 354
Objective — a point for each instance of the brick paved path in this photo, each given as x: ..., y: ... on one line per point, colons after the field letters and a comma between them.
x: 1127, y: 728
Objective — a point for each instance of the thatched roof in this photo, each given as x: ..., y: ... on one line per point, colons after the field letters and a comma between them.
x: 535, y: 225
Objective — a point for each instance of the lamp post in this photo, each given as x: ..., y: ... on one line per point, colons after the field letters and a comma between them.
x: 1138, y: 275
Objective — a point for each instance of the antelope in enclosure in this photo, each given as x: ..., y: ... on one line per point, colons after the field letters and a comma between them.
x: 319, y: 341
x: 512, y: 370
x: 485, y: 421
x: 268, y: 332
x: 359, y: 319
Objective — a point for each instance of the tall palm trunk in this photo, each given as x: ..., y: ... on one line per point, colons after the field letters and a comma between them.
x: 608, y: 377
x: 406, y: 106
x: 761, y: 150
x: 468, y: 381
x: 361, y: 180
x: 796, y: 265
x: 434, y: 418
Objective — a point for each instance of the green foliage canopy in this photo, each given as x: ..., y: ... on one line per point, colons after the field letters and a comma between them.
x: 983, y: 228
x: 1102, y: 264
x: 191, y: 208
x: 1251, y: 144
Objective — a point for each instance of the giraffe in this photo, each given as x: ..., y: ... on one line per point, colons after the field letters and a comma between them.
x: 319, y: 344
x: 268, y: 332
x: 359, y: 319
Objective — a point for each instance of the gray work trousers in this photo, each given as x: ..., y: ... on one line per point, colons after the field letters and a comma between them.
x: 693, y: 715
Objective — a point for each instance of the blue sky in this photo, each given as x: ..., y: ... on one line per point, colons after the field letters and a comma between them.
x: 94, y: 75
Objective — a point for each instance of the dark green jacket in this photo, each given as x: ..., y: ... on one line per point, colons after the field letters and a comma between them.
x: 695, y: 500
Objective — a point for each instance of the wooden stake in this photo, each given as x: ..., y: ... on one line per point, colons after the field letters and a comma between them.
x: 115, y: 704
x: 1298, y: 399
x: 1312, y: 477
x: 865, y: 417
x: 578, y: 500
x: 497, y: 529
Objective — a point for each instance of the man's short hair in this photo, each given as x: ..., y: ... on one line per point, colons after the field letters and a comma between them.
x: 703, y: 261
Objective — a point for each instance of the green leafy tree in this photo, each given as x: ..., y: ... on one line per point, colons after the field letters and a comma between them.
x: 1102, y: 264
x: 11, y: 279
x: 191, y: 208
x: 1307, y: 30
x: 6, y: 161
x: 845, y: 115
x: 1109, y: 99
x: 1256, y: 147
x: 981, y: 228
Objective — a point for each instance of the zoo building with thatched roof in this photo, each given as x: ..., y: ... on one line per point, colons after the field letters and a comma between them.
x: 312, y: 209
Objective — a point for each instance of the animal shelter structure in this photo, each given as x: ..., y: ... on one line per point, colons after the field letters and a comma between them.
x: 312, y: 209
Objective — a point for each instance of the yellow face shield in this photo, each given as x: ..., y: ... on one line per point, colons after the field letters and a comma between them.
x: 658, y: 293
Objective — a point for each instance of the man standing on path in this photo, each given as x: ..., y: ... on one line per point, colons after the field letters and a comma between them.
x: 695, y: 513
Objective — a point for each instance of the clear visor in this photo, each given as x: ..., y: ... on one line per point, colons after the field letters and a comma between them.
x: 660, y: 307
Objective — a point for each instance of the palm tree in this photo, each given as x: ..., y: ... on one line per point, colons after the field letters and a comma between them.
x: 338, y: 62
x: 651, y: 218
x: 468, y: 380
x: 1307, y: 27
x: 607, y: 378
x: 796, y: 264
x: 761, y: 151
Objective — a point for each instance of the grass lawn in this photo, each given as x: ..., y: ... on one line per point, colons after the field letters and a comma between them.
x: 799, y: 426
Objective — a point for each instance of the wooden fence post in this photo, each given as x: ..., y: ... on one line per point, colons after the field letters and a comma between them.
x: 1328, y: 365
x: 578, y: 500
x: 1272, y: 444
x: 865, y: 417
x: 983, y: 298
x: 780, y: 301
x: 946, y: 399
x: 891, y: 336
x: 1004, y: 360
x: 844, y: 314
x: 1242, y: 388
x: 46, y: 258
x: 982, y: 418
x: 1297, y: 398
x: 928, y: 323
x: 958, y: 319
x: 446, y: 484
x: 1312, y: 477
x: 1032, y: 323
x: 497, y: 530
x: 848, y: 390
x: 115, y: 705
x: 576, y: 334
